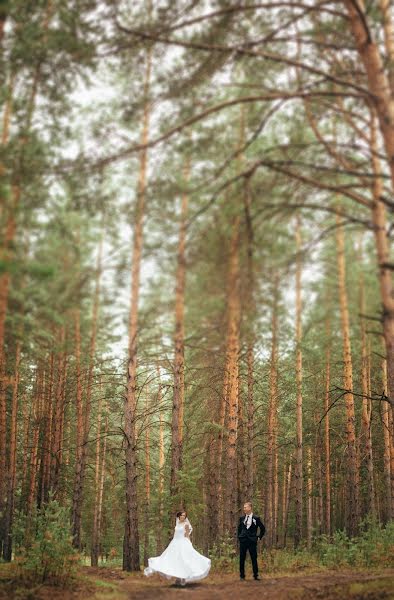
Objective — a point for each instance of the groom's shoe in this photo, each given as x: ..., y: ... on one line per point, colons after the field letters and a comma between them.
x: 257, y: 578
x: 242, y: 578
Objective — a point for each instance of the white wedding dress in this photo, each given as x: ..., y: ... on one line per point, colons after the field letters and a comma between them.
x: 180, y: 559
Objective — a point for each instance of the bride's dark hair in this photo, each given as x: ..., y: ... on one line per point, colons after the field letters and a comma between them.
x: 180, y: 512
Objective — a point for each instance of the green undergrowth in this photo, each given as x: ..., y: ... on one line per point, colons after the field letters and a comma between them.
x: 372, y: 548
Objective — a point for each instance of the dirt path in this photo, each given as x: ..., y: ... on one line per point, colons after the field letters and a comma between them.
x: 332, y: 585
x: 108, y: 584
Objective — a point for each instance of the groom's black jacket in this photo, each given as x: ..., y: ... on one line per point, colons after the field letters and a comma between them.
x: 250, y: 535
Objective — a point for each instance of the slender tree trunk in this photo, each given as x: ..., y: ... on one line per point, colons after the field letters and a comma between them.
x: 77, y: 492
x: 298, y: 472
x: 131, y: 553
x: 147, y: 485
x: 161, y: 467
x: 352, y: 498
x: 40, y: 383
x: 179, y: 363
x: 387, y: 451
x: 287, y: 501
x: 57, y: 427
x: 94, y: 554
x: 327, y: 449
x: 309, y: 513
x: 272, y: 420
x: 11, y: 483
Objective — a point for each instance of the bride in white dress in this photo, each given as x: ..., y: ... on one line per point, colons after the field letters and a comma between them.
x: 180, y: 559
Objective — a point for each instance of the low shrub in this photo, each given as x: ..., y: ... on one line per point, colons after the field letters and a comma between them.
x: 43, y: 545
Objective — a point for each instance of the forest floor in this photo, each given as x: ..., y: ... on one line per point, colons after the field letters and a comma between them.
x: 113, y: 584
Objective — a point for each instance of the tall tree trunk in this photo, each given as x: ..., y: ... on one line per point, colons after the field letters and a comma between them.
x: 366, y: 412
x: 272, y: 419
x: 382, y: 96
x: 352, y: 496
x: 131, y: 553
x: 298, y: 471
x: 85, y: 409
x: 179, y: 362
x: 232, y: 342
x: 250, y: 311
x: 58, y: 414
x: 77, y: 492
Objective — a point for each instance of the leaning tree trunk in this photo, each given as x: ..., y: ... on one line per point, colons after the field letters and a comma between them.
x: 352, y: 491
x: 131, y: 552
x: 298, y: 471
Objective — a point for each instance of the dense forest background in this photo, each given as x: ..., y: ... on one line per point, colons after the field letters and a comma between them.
x: 196, y: 296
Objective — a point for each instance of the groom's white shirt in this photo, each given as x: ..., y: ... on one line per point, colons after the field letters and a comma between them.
x: 248, y: 520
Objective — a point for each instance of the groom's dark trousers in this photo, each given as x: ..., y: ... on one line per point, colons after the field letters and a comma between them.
x: 244, y: 546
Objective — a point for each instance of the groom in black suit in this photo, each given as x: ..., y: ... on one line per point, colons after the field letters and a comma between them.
x: 247, y: 534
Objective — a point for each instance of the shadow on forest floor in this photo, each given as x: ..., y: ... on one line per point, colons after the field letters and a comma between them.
x: 113, y: 584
